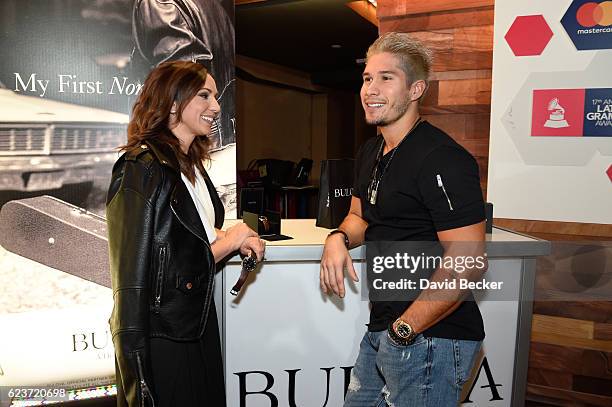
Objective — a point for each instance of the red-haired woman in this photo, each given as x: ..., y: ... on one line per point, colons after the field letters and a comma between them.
x: 164, y: 218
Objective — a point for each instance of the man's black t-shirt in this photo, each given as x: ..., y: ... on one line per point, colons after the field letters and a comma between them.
x: 411, y: 205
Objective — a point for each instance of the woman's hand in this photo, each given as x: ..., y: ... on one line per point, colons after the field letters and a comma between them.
x: 237, y: 234
x: 253, y: 245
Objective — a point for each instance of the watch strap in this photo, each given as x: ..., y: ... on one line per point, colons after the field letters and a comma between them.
x: 249, y: 264
x: 346, y: 238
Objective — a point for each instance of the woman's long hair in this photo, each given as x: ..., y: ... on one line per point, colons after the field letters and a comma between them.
x: 170, y: 82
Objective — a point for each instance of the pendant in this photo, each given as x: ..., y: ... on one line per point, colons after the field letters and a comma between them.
x: 373, y: 195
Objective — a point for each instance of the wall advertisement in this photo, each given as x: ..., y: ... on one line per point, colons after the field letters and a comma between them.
x: 551, y: 110
x: 70, y: 70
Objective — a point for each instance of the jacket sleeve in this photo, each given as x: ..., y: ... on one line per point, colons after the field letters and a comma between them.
x: 168, y: 30
x: 130, y: 219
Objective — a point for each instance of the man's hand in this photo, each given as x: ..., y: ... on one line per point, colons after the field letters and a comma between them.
x: 333, y: 262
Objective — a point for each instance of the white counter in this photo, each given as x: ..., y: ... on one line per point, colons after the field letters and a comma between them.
x: 286, y: 342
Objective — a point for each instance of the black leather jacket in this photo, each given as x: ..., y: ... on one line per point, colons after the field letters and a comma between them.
x: 162, y: 266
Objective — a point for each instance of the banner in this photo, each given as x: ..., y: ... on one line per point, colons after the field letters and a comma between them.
x: 70, y: 72
x: 551, y: 111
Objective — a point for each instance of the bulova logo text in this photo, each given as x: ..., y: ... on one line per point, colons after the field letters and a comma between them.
x: 342, y: 192
x: 98, y: 342
x: 273, y: 394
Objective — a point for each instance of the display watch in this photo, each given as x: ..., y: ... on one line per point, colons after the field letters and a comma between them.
x: 249, y: 263
x: 401, y: 332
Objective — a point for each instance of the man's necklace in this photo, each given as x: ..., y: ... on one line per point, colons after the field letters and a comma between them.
x: 376, y: 179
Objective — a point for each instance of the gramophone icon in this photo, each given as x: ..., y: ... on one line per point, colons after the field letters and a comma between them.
x: 556, y: 120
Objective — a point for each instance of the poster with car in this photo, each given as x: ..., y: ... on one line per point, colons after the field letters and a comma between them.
x: 70, y: 71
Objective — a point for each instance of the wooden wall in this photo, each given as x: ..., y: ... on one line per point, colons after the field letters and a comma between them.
x: 570, y: 363
x: 461, y: 35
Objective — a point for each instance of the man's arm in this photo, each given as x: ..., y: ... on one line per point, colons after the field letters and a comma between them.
x: 433, y: 305
x: 335, y: 254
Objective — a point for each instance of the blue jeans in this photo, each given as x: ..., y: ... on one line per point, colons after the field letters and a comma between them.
x: 428, y: 372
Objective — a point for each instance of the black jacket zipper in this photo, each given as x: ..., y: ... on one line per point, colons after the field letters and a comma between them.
x: 160, y: 278
x: 145, y: 392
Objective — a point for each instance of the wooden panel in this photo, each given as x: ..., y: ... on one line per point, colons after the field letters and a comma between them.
x: 277, y: 73
x: 557, y: 358
x: 462, y: 126
x: 577, y: 361
x: 603, y: 331
x: 583, y: 343
x: 573, y: 396
x: 436, y: 21
x: 461, y: 39
x: 365, y: 10
x: 390, y: 8
x: 568, y: 327
x: 460, y: 61
x: 597, y: 311
x: 593, y: 385
x: 553, y: 378
x: 564, y: 228
x: 464, y: 92
x: 460, y: 96
x: 467, y: 74
x: 532, y: 400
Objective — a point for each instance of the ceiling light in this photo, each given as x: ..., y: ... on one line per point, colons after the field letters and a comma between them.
x: 373, y: 2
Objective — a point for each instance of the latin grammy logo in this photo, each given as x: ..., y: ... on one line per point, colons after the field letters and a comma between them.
x: 556, y: 119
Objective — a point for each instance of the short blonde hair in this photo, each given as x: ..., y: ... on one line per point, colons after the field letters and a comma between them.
x: 415, y: 58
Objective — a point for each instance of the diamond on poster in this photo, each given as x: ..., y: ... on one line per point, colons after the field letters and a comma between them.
x: 557, y: 112
x: 598, y: 112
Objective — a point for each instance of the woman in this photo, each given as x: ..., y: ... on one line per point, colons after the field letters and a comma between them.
x: 164, y: 218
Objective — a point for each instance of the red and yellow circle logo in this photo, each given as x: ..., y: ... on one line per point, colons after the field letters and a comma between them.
x: 592, y: 14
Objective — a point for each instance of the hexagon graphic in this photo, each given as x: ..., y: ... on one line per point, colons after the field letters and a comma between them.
x: 528, y: 35
x: 609, y: 172
x: 588, y: 23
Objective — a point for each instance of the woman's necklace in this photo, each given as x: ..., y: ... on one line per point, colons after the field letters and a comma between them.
x: 376, y: 179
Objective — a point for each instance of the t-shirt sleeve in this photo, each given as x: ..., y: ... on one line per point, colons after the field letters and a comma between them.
x: 449, y: 184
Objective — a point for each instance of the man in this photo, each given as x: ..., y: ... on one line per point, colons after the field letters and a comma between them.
x: 412, y: 184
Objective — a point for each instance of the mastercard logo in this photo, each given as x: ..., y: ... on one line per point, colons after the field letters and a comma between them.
x: 592, y: 14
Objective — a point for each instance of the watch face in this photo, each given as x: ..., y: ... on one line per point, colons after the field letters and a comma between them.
x: 249, y: 263
x: 404, y: 330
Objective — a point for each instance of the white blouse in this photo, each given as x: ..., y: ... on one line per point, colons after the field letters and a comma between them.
x: 203, y: 203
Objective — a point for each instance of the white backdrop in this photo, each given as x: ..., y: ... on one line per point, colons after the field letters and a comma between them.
x: 546, y: 177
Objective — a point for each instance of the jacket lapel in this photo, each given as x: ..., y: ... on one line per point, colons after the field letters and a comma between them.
x: 180, y: 201
x: 216, y: 201
x: 183, y: 207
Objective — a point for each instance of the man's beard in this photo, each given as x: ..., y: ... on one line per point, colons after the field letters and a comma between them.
x: 396, y: 113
